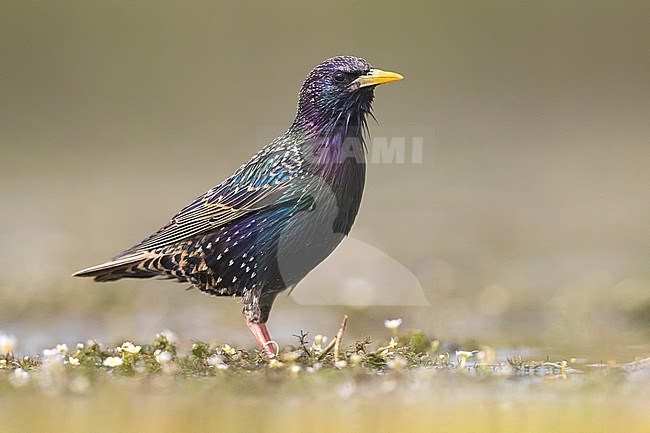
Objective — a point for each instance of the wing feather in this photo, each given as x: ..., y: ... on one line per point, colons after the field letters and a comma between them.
x: 251, y: 189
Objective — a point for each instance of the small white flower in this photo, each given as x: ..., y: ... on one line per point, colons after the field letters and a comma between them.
x: 291, y: 356
x: 53, y: 359
x: 112, y: 361
x: 50, y: 353
x: 392, y: 344
x: 274, y: 363
x: 62, y: 349
x: 356, y: 359
x: 317, y: 345
x: 80, y: 346
x: 3, y: 363
x: 73, y: 361
x: 20, y: 377
x: 129, y: 347
x: 7, y: 343
x: 228, y: 350
x: 462, y: 356
x: 215, y: 360
x: 397, y: 363
x: 163, y: 357
x: 340, y: 364
x: 393, y: 324
x: 295, y: 369
x: 170, y: 336
x: 54, y: 363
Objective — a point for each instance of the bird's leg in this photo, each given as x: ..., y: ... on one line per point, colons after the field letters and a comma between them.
x: 257, y: 306
x: 261, y: 334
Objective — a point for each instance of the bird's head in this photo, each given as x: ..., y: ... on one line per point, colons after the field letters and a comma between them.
x: 338, y: 92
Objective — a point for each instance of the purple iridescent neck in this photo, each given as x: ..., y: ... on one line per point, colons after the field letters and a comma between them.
x: 321, y: 117
x: 332, y: 138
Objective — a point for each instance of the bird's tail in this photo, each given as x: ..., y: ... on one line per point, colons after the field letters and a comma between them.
x: 136, y: 265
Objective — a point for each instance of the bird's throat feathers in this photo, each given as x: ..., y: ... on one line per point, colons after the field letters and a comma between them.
x: 333, y: 133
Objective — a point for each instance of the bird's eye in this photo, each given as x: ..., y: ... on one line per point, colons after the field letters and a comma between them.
x: 339, y: 77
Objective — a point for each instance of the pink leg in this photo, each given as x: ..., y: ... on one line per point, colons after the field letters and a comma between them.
x: 261, y: 334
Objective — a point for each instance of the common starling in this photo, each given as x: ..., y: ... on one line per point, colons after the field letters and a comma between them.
x: 279, y: 215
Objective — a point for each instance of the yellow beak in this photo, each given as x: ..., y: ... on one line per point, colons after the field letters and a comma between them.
x: 377, y: 76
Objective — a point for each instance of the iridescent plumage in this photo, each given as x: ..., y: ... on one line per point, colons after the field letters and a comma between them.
x: 279, y: 215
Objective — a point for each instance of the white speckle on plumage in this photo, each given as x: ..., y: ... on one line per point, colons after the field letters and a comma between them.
x: 219, y: 257
x: 231, y: 263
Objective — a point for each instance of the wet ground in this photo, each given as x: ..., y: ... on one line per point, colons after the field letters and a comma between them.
x: 409, y: 384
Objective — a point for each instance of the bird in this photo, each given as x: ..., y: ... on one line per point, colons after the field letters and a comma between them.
x: 264, y: 228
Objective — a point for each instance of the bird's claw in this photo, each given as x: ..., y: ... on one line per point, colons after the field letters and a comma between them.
x: 267, y: 350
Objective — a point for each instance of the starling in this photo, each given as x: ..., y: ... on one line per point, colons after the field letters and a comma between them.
x: 279, y: 215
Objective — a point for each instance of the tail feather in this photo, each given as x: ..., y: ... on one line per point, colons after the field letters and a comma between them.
x: 137, y: 265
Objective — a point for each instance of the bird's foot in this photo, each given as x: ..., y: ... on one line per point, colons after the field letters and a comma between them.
x: 269, y: 347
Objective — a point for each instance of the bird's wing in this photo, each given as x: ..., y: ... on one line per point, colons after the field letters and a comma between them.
x: 254, y: 187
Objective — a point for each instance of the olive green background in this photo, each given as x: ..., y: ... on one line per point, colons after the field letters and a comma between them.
x: 526, y: 224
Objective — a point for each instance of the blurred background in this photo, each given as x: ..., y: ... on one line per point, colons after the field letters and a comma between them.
x: 526, y: 224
